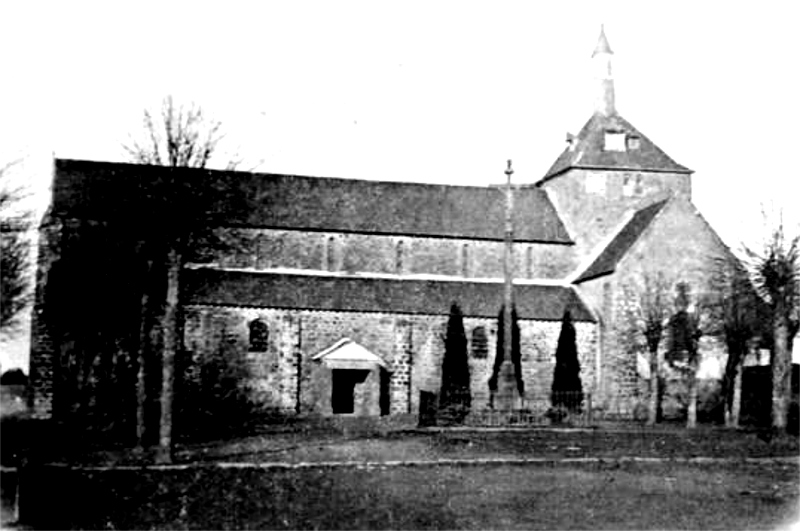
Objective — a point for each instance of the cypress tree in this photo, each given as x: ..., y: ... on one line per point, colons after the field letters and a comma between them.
x: 455, y: 399
x: 516, y: 357
x: 567, y: 391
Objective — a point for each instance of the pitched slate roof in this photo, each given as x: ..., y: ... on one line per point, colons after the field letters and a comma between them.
x: 588, y: 150
x: 606, y: 262
x: 104, y: 191
x: 477, y: 299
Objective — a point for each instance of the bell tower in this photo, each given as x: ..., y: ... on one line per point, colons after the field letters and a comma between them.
x: 609, y: 168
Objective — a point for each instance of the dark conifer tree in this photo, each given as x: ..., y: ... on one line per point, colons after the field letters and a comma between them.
x: 516, y: 356
x: 567, y: 390
x: 455, y: 398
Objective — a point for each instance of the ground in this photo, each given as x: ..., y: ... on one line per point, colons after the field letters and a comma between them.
x: 554, y: 496
x: 417, y: 479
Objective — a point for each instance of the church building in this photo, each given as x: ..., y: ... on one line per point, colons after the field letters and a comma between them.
x: 337, y: 292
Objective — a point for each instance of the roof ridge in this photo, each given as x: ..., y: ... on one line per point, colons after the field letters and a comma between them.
x: 157, y: 167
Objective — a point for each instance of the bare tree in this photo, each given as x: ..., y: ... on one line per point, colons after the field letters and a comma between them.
x: 735, y: 315
x: 179, y: 137
x: 648, y: 309
x: 775, y: 272
x: 15, y: 249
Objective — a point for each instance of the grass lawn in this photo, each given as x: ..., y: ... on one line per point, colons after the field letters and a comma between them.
x: 665, y: 495
x: 631, y: 496
x: 642, y: 442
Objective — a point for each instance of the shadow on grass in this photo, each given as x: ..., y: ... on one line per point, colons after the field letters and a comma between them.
x: 530, y: 497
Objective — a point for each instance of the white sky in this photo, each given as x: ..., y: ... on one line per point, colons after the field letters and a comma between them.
x: 425, y: 91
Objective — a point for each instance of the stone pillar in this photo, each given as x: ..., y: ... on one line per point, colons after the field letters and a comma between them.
x: 400, y: 383
x: 289, y: 363
x: 43, y: 350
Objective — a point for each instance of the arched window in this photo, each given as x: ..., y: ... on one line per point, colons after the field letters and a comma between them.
x: 330, y: 254
x: 398, y: 258
x: 259, y: 336
x: 480, y: 343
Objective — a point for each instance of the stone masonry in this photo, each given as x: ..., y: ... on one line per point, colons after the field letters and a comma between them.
x: 412, y: 346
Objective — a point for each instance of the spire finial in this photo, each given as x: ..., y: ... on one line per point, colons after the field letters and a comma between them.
x: 602, y: 43
x: 602, y: 58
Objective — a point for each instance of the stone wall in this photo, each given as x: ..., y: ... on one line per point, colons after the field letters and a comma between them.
x: 402, y: 255
x: 664, y: 249
x: 43, y: 350
x: 411, y: 345
x: 592, y: 203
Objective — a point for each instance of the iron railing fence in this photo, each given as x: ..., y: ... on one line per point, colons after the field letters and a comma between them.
x: 562, y: 408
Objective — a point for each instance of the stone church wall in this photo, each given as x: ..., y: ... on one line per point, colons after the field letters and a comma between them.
x: 664, y: 248
x: 41, y: 371
x: 369, y: 253
x: 411, y: 345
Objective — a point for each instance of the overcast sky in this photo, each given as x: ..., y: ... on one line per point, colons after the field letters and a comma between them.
x: 439, y: 92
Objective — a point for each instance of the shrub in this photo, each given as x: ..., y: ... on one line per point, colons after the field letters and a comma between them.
x: 567, y: 390
x: 455, y: 399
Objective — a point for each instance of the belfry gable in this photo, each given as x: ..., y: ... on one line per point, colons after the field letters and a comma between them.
x: 612, y: 143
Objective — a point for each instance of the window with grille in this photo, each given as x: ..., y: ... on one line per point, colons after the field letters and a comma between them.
x: 480, y: 343
x: 259, y: 336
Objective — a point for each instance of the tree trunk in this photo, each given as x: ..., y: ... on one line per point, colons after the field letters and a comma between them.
x: 780, y: 371
x: 169, y: 329
x: 691, y: 413
x: 141, y: 390
x: 737, y: 351
x: 652, y: 410
x: 736, y: 407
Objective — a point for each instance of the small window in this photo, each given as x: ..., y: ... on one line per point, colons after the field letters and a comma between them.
x: 259, y: 336
x: 480, y: 343
x: 628, y: 185
x: 465, y: 260
x: 614, y: 141
x: 634, y: 142
x: 639, y: 188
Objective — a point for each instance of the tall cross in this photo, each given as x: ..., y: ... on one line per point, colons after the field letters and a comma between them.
x: 508, y: 269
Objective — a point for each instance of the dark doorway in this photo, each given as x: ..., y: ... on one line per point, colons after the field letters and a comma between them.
x: 384, y: 393
x: 343, y: 389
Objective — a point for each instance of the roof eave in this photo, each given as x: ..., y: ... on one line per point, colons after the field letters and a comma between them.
x: 587, y: 278
x: 679, y: 169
